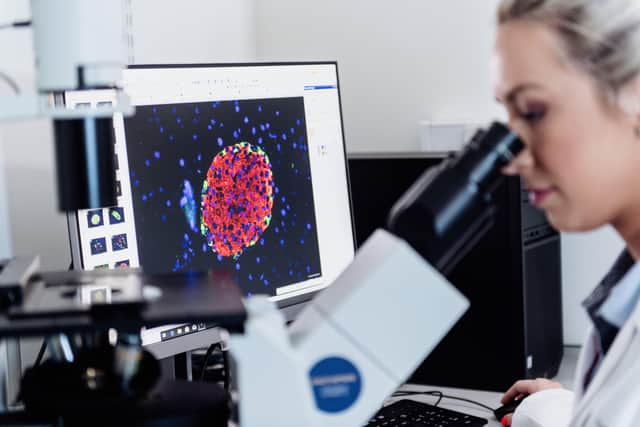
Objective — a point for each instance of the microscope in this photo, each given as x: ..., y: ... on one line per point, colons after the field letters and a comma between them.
x: 333, y: 366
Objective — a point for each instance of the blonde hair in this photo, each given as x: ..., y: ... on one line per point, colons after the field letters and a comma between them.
x: 602, y: 37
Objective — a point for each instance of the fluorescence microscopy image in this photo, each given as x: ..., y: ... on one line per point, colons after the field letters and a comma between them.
x: 122, y: 264
x: 225, y: 186
x: 94, y: 218
x: 237, y: 198
x: 98, y: 246
x: 119, y: 242
x: 116, y: 215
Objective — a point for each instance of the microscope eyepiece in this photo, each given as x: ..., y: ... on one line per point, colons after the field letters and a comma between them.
x: 450, y: 207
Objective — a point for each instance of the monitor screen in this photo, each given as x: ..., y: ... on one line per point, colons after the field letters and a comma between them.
x: 240, y: 168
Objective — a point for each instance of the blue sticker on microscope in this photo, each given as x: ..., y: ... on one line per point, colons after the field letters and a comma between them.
x: 336, y: 384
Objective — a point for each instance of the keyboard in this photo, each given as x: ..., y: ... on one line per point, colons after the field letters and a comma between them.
x: 409, y: 413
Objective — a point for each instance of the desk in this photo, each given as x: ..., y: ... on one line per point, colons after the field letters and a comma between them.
x: 489, y: 398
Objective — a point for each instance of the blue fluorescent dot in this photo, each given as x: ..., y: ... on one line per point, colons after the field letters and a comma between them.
x: 204, y: 247
x: 284, y: 137
x: 281, y: 242
x: 308, y: 226
x: 260, y: 140
x: 258, y: 259
x: 147, y: 162
x: 144, y: 197
x: 266, y: 282
x: 195, y: 136
x: 136, y: 183
x: 283, y: 212
x: 292, y: 131
x: 298, y: 122
x: 220, y: 142
x: 209, y: 127
x: 249, y: 294
x: 164, y: 218
x: 237, y: 108
x: 181, y: 162
x: 246, y: 119
x: 288, y: 207
x: 278, y: 147
x: 291, y: 273
x: 262, y: 128
x: 185, y: 237
x: 308, y: 269
x: 259, y: 108
x: 178, y: 120
x: 168, y: 203
x: 156, y: 154
x: 261, y: 242
x: 268, y: 125
x: 277, y: 230
x: 277, y: 190
x: 235, y: 134
x: 237, y: 266
x: 161, y: 189
x: 196, y: 110
x: 161, y: 129
x: 302, y: 241
x: 253, y: 130
x: 283, y: 199
x: 250, y: 276
x: 277, y: 113
x: 171, y: 137
x: 219, y: 257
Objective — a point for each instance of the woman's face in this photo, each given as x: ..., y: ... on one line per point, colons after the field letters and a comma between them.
x: 579, y: 151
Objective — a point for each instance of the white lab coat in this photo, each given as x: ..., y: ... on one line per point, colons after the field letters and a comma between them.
x: 612, y: 398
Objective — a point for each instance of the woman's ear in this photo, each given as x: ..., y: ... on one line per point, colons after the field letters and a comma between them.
x: 629, y: 99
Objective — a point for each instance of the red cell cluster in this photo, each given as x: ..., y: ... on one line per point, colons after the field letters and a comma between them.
x: 237, y: 199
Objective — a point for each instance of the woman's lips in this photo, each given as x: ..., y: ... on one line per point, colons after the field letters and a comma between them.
x: 536, y: 197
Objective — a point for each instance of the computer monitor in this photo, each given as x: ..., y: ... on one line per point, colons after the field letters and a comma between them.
x: 234, y: 167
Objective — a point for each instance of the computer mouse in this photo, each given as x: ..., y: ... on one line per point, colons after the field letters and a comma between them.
x: 506, y: 409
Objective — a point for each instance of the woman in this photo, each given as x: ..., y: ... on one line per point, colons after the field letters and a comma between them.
x: 569, y: 77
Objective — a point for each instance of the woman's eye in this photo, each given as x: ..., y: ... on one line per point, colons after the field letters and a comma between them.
x: 533, y: 116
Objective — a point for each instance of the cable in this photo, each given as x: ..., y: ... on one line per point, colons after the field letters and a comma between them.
x: 225, y: 363
x: 429, y: 393
x: 207, y: 355
x: 43, y: 349
x: 16, y: 24
x: 441, y: 395
x: 10, y: 82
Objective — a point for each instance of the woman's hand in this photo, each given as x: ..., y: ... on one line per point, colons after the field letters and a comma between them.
x: 524, y: 388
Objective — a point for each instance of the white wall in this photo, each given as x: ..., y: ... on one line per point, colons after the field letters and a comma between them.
x: 586, y: 258
x: 404, y: 62
x: 5, y: 230
x: 400, y: 62
x: 190, y: 31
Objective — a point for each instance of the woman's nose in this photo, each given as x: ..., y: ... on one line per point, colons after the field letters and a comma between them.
x: 522, y: 162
